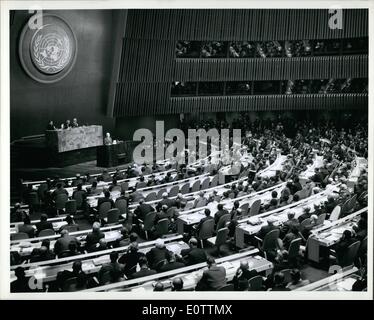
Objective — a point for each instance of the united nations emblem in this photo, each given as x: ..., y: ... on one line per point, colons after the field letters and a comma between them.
x: 50, y: 48
x: 48, y: 52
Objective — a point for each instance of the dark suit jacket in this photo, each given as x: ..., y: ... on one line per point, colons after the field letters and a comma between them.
x: 245, y: 276
x: 43, y: 225
x: 142, y: 210
x: 219, y: 214
x: 93, y: 237
x: 155, y: 255
x: 202, y: 221
x: 265, y: 230
x: 130, y: 260
x: 102, y: 200
x: 171, y: 266
x: 213, y: 278
x: 62, y: 244
x: 27, y: 228
x: 168, y: 202
x: 194, y: 255
x: 143, y: 273
x: 20, y: 285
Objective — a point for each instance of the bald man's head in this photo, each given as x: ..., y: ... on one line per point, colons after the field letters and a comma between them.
x: 244, y: 265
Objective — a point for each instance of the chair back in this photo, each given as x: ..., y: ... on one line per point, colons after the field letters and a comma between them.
x: 149, y: 220
x: 244, y: 207
x: 121, y: 204
x: 205, y: 184
x: 255, y: 283
x: 255, y: 208
x: 174, y: 191
x: 103, y: 209
x: 201, y: 203
x: 33, y: 199
x: 351, y: 254
x: 105, y: 278
x: 71, y: 207
x: 362, y: 251
x: 124, y: 186
x: 214, y: 181
x: 70, y: 285
x: 61, y: 200
x: 71, y: 228
x: 345, y: 207
x: 206, y: 229
x: 352, y: 203
x: 78, y: 198
x: 222, y: 221
x: 171, y: 211
x: 41, y: 190
x: 271, y: 240
x: 162, y: 227
x: 227, y: 287
x: 160, y: 192
x: 159, y: 264
x: 196, y: 186
x: 116, y: 188
x: 221, y: 237
x: 113, y: 216
x: 306, y: 222
x: 64, y: 254
x: 19, y: 236
x: 335, y: 214
x: 287, y: 275
x: 151, y: 197
x: 293, y: 250
x: 46, y: 233
x: 321, y: 219
x: 185, y: 188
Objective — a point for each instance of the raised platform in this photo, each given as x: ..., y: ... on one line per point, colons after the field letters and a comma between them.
x: 34, y: 153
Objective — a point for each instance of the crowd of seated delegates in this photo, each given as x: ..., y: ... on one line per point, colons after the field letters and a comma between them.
x: 304, y: 140
x: 97, y: 185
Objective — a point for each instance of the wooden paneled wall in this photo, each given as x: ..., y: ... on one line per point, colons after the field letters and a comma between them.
x: 148, y: 64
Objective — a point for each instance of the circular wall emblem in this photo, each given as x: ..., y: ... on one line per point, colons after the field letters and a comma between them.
x: 47, y: 48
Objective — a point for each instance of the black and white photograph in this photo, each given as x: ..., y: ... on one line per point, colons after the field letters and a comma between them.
x: 214, y: 151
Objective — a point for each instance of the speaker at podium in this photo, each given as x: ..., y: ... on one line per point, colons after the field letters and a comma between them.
x: 113, y: 154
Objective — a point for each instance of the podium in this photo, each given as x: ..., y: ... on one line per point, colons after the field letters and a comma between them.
x: 112, y: 155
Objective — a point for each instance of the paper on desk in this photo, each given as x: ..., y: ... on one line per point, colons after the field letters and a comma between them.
x: 174, y: 247
x: 346, y: 284
x: 101, y: 260
x: 139, y: 289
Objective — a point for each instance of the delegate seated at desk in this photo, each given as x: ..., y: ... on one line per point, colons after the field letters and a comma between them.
x: 193, y: 255
x: 213, y: 278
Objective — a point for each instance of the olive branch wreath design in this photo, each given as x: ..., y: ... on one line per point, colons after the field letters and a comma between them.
x: 40, y: 61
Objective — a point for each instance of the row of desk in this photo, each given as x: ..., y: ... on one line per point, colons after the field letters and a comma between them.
x: 91, y: 262
x: 194, y: 216
x: 329, y: 235
x: 191, y: 274
x: 24, y: 248
x: 252, y: 225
